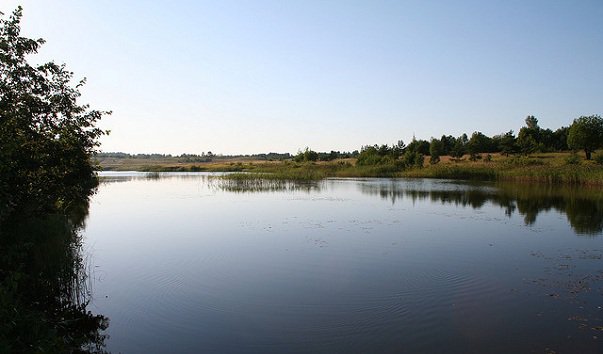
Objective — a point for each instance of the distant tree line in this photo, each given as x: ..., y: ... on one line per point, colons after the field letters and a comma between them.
x: 585, y: 133
x: 203, y: 157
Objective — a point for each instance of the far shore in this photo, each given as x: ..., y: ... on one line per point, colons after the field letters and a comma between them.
x: 549, y: 168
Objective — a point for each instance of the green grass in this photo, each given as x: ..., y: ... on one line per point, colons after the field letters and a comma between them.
x: 549, y: 172
x: 290, y: 171
x: 453, y: 171
x: 548, y: 168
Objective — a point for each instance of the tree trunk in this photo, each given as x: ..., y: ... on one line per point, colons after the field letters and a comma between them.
x: 588, y: 154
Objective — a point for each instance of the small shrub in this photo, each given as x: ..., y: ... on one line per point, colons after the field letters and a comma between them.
x: 572, y: 159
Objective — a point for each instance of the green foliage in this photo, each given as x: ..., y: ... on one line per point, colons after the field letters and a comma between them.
x: 413, y: 159
x: 46, y: 143
x: 522, y: 161
x: 379, y: 155
x: 435, y: 151
x: 454, y: 171
x: 459, y: 147
x: 46, y: 137
x: 559, y: 139
x: 507, y: 143
x: 419, y: 146
x: 447, y: 142
x: 586, y: 133
x: 520, y: 169
x: 547, y: 141
x: 532, y: 123
x: 479, y: 143
x: 289, y: 171
x: 572, y: 159
x: 527, y: 141
x: 532, y: 138
x: 306, y: 156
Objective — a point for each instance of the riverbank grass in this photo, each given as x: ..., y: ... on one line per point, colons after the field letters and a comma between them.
x: 553, y: 168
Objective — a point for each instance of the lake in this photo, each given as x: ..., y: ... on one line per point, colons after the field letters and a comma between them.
x: 185, y: 263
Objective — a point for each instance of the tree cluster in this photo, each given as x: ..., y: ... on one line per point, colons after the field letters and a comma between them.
x: 309, y: 155
x: 585, y: 133
x: 398, y: 155
x: 46, y: 137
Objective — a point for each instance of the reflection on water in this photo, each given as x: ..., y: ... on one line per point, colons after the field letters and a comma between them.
x: 263, y: 185
x: 582, y: 206
x: 189, y: 262
x: 45, y: 288
x: 215, y: 181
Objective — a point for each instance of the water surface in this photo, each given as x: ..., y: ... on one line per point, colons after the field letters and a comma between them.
x: 183, y: 263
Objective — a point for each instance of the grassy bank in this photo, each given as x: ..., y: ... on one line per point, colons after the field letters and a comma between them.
x: 582, y: 174
x: 550, y: 168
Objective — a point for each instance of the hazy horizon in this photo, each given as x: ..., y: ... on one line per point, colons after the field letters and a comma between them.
x: 265, y: 76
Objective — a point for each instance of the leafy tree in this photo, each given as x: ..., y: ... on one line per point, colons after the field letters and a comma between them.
x: 527, y: 143
x: 379, y: 155
x: 419, y: 146
x: 413, y: 158
x: 447, y: 144
x: 528, y: 138
x: 384, y: 150
x: 547, y: 140
x: 459, y: 147
x: 435, y: 151
x: 306, y: 155
x: 399, y: 148
x: 464, y: 139
x: 368, y: 155
x: 560, y: 139
x: 479, y: 143
x: 46, y: 137
x: 586, y: 133
x: 46, y: 176
x: 329, y: 156
x: 532, y: 123
x: 507, y: 143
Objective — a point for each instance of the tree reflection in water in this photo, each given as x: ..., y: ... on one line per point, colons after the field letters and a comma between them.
x: 582, y: 206
x: 44, y: 286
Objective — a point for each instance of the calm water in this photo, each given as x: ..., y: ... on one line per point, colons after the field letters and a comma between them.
x: 184, y: 264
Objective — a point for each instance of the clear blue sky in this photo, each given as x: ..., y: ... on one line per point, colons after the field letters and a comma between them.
x: 259, y: 76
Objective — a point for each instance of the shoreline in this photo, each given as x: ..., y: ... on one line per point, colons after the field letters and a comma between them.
x: 548, y: 168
